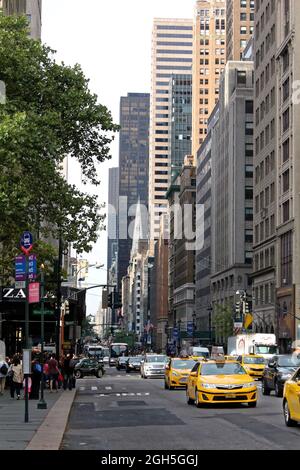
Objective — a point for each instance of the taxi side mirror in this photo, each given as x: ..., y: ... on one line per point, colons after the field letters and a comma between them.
x: 272, y: 365
x: 167, y: 366
x: 193, y: 374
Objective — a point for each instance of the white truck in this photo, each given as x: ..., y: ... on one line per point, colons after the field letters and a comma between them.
x: 263, y: 344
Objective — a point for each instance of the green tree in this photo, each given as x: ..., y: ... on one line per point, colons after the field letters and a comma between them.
x: 49, y: 114
x: 223, y: 323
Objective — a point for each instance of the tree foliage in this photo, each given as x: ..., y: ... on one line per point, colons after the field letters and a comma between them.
x: 49, y: 114
x: 223, y: 323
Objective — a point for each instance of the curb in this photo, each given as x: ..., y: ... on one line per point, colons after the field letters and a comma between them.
x: 51, y: 432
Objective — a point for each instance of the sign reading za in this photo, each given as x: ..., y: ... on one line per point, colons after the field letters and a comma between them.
x: 9, y: 294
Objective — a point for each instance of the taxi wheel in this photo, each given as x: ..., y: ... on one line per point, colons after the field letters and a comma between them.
x: 197, y: 402
x: 287, y: 417
x: 189, y: 400
x: 252, y: 404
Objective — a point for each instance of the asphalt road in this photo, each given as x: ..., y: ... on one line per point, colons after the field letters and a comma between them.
x: 124, y: 412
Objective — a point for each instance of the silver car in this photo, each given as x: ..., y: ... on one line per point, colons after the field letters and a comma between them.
x: 153, y: 365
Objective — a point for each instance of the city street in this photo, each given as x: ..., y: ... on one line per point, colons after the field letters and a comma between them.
x: 124, y: 412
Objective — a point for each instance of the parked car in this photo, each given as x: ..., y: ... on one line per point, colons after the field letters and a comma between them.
x: 121, y: 362
x: 87, y: 366
x: 291, y: 402
x: 279, y: 369
x: 153, y: 365
x: 133, y: 364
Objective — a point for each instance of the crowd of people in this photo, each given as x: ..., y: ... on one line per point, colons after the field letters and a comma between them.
x: 55, y: 374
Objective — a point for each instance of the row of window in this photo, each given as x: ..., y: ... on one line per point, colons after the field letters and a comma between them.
x: 265, y: 136
x: 265, y: 76
x: 265, y: 259
x: 264, y: 294
x: 265, y: 167
x: 265, y: 229
x: 265, y: 106
x: 266, y: 14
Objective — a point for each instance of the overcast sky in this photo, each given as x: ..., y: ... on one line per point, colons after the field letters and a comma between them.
x: 112, y: 42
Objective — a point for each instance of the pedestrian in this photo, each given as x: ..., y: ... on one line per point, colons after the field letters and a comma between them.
x: 16, y: 373
x: 53, y: 372
x: 3, y: 374
x: 68, y: 371
x: 36, y: 377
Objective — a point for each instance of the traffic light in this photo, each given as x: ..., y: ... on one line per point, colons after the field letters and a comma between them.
x: 110, y: 300
x: 117, y: 300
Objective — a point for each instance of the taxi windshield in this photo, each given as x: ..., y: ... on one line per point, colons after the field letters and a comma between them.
x: 183, y: 364
x: 223, y: 368
x: 254, y: 360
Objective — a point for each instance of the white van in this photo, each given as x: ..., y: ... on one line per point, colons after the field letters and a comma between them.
x: 199, y: 351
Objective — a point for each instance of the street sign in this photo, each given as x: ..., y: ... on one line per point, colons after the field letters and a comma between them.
x: 20, y: 267
x: 190, y: 328
x: 20, y: 285
x: 26, y: 242
x: 34, y: 293
x: 46, y: 312
x: 32, y: 267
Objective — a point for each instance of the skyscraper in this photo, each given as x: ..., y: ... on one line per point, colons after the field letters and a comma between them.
x: 209, y: 59
x: 239, y: 27
x: 172, y: 46
x: 31, y: 8
x: 180, y: 129
x: 133, y: 171
x: 112, y: 217
x: 265, y: 156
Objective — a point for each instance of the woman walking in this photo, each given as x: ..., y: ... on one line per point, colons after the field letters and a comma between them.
x: 53, y: 372
x: 16, y: 373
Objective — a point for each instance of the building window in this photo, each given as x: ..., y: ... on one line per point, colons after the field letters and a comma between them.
x: 286, y: 151
x: 286, y: 259
x: 286, y: 211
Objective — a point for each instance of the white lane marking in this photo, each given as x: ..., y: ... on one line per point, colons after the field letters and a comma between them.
x: 81, y: 388
x: 139, y: 394
x: 94, y: 388
x: 131, y: 394
x: 108, y: 388
x: 124, y: 394
x: 147, y: 394
x: 118, y: 394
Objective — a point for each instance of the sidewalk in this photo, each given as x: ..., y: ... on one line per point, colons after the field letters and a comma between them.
x: 15, y: 434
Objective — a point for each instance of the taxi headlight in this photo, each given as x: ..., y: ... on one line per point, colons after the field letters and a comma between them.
x: 208, y: 385
x: 249, y: 385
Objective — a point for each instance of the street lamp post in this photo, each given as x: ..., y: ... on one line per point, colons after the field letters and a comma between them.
x: 42, y: 405
x: 179, y: 336
x: 194, y: 329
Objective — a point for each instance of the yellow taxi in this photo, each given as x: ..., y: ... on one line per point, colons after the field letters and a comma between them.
x: 291, y: 400
x: 220, y: 381
x: 177, y: 372
x: 253, y: 364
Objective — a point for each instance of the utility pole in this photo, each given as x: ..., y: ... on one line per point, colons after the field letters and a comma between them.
x: 58, y: 296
